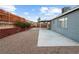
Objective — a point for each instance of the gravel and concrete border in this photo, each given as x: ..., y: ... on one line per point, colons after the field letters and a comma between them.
x: 26, y: 43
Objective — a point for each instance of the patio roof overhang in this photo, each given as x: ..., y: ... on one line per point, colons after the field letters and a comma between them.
x: 45, y: 21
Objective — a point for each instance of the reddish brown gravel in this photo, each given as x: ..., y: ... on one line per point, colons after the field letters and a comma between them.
x: 26, y: 43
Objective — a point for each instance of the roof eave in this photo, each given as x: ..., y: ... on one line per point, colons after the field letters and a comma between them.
x: 65, y: 13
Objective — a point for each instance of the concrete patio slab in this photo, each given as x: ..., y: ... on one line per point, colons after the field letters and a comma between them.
x: 51, y: 38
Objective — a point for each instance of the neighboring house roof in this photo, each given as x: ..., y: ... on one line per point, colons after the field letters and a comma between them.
x: 65, y: 13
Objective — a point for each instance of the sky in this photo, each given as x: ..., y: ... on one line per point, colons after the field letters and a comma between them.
x: 33, y: 12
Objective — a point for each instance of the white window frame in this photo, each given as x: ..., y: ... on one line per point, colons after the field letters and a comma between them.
x: 63, y: 22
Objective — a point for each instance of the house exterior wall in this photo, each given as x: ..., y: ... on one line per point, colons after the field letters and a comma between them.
x: 72, y: 30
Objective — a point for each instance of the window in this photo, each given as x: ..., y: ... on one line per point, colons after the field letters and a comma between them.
x: 63, y: 22
x: 53, y: 21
